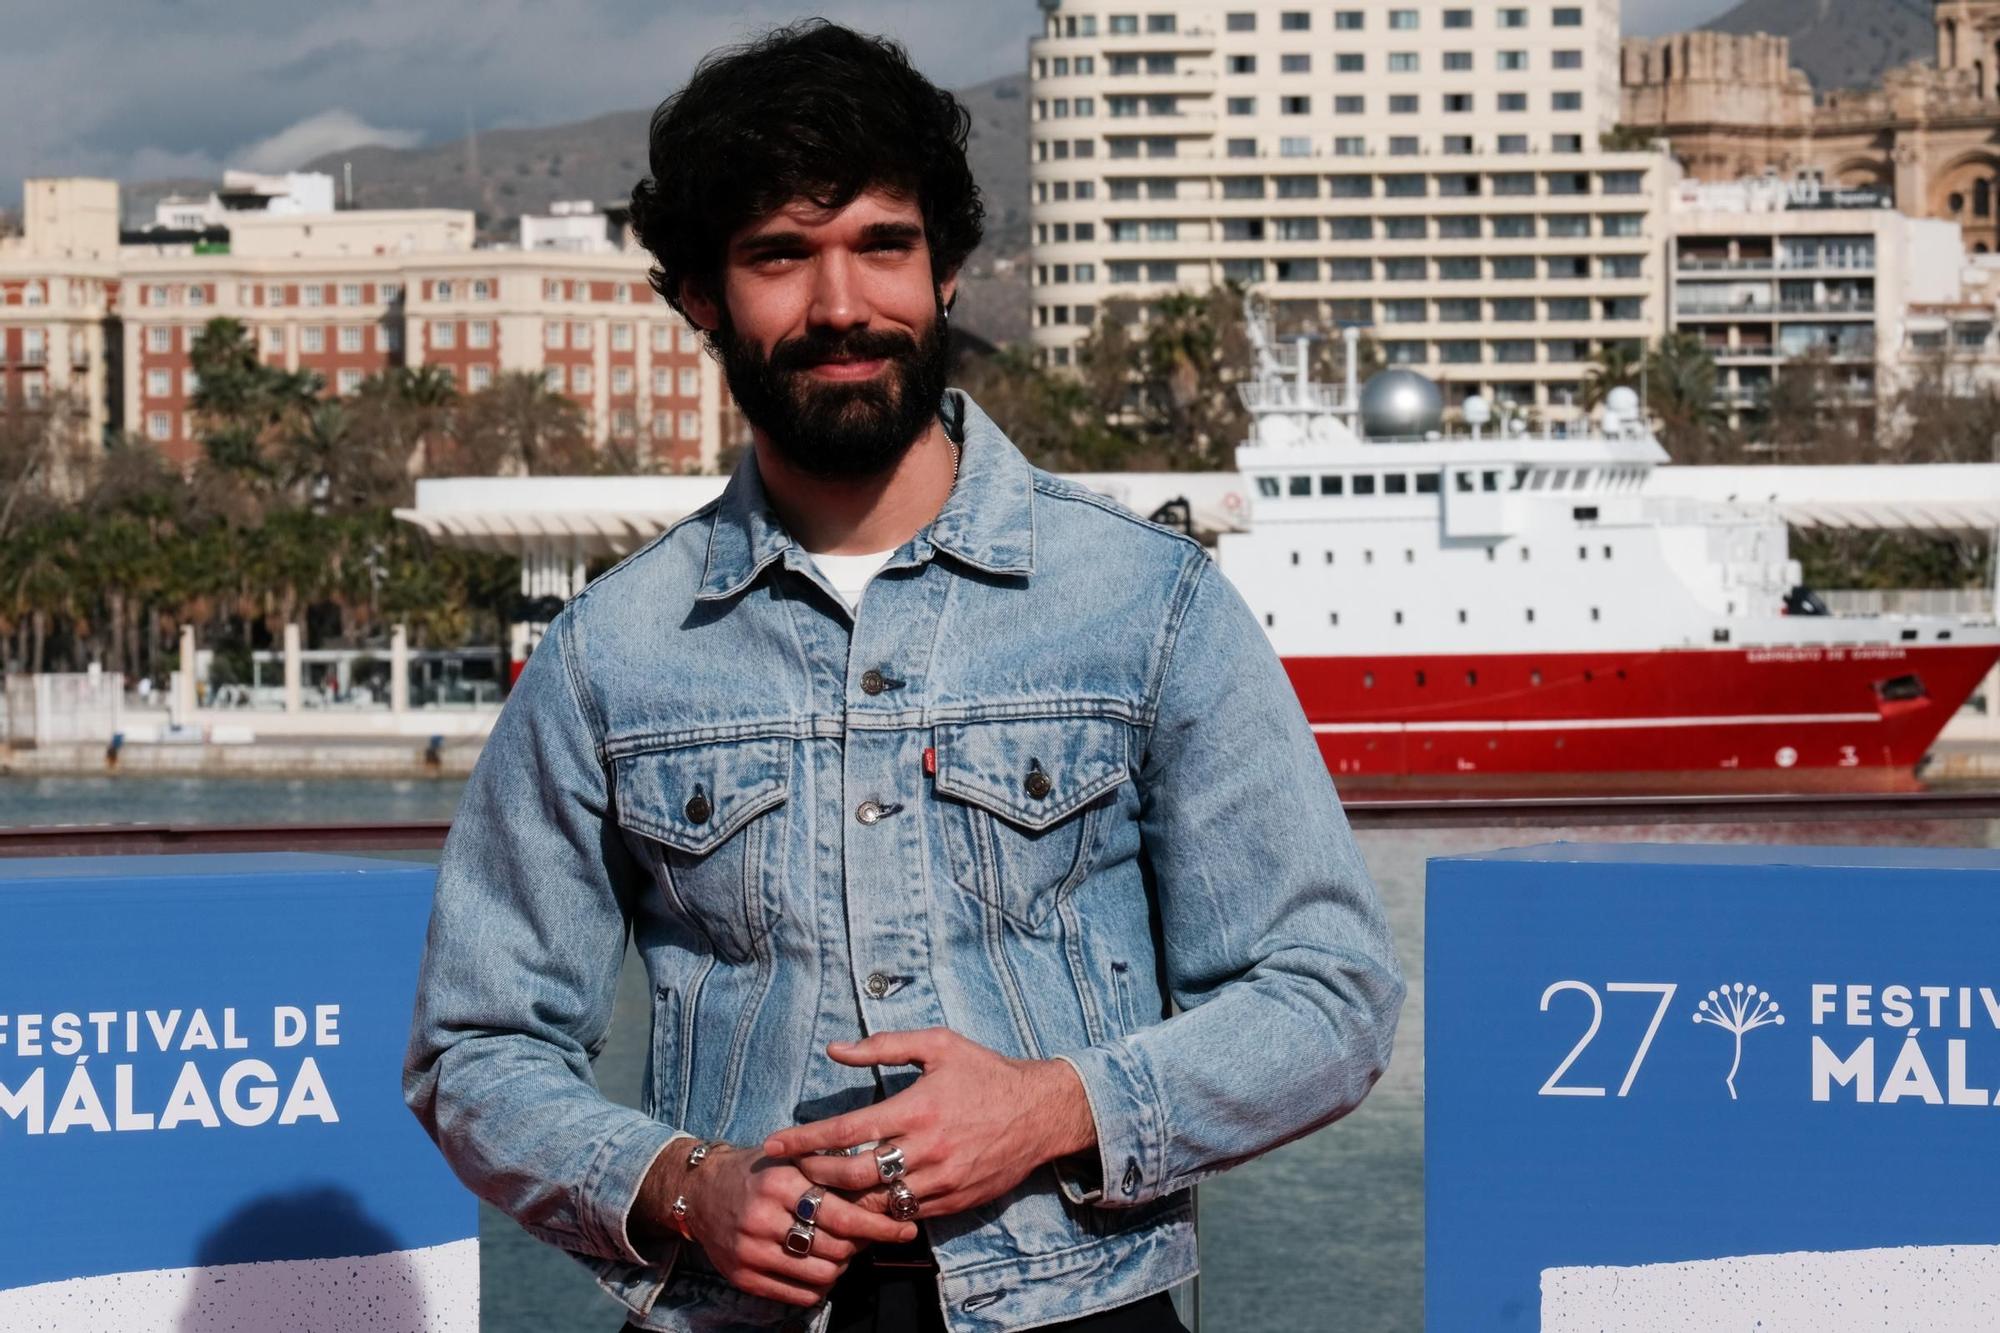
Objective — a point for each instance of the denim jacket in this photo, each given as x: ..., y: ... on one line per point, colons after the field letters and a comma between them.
x: 1049, y: 788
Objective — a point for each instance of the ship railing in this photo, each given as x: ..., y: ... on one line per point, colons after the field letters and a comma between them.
x: 1971, y: 604
x: 1290, y: 396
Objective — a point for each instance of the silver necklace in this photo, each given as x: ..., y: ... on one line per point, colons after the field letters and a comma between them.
x: 955, y: 454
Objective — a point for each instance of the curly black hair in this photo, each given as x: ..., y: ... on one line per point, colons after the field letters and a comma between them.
x: 812, y: 110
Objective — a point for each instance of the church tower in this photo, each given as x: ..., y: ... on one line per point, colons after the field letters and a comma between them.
x: 1968, y: 40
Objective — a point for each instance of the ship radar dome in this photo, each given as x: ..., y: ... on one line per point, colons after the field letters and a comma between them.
x: 1621, y: 405
x: 1400, y: 404
x: 1476, y: 411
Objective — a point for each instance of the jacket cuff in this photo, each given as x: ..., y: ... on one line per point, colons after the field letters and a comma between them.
x: 1125, y: 1109
x: 611, y: 1190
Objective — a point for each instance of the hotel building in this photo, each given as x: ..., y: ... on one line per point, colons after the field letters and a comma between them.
x: 348, y: 295
x: 1429, y: 171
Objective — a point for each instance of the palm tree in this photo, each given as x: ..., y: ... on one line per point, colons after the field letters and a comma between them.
x: 1680, y: 396
x: 520, y: 426
x: 1615, y: 366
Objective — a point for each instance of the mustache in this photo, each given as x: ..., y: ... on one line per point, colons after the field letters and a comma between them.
x: 846, y: 345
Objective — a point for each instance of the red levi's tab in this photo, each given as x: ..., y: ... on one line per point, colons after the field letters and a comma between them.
x: 930, y: 762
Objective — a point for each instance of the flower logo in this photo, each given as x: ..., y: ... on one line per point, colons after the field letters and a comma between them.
x: 1739, y: 1008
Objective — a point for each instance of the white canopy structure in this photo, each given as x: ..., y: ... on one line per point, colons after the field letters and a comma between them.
x: 1948, y: 497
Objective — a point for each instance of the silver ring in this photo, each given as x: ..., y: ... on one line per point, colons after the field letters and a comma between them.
x: 807, y: 1208
x: 889, y: 1162
x: 799, y: 1240
x: 903, y: 1205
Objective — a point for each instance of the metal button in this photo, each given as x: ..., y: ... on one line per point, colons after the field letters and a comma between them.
x: 698, y: 809
x: 868, y: 812
x: 871, y: 681
x: 878, y: 985
x: 1131, y: 1181
x: 1038, y: 784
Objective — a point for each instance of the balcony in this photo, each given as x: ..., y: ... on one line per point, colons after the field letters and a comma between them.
x: 1835, y: 263
x: 1717, y: 310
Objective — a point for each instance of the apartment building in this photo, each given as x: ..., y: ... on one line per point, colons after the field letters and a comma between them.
x: 1768, y: 271
x: 1429, y: 171
x: 59, y: 284
x: 351, y: 294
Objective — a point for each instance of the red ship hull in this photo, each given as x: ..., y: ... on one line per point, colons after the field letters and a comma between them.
x: 1810, y: 716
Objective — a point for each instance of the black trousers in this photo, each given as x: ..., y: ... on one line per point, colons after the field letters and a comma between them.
x: 905, y: 1300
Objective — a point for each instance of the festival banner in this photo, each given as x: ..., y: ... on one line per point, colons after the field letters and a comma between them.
x: 201, y: 1122
x: 1698, y: 1088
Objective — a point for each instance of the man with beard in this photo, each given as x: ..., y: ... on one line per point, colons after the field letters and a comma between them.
x: 966, y: 824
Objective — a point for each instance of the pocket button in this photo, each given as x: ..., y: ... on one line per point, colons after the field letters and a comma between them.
x: 877, y: 985
x: 1038, y: 784
x: 871, y: 681
x: 698, y: 809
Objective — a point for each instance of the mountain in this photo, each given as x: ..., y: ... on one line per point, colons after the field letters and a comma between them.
x: 1840, y: 43
x: 501, y: 174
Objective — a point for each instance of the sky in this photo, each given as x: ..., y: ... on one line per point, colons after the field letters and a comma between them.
x: 187, y: 87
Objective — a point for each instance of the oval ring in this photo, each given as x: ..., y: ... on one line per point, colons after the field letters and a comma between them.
x: 903, y: 1204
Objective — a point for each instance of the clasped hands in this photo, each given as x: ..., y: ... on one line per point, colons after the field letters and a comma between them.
x: 971, y: 1127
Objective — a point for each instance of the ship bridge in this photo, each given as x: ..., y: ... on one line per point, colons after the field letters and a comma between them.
x: 1874, y: 497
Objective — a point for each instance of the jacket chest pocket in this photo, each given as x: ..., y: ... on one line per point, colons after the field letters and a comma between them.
x: 1024, y: 805
x: 710, y: 819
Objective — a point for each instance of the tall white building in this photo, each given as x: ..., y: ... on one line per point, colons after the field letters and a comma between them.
x: 1430, y: 171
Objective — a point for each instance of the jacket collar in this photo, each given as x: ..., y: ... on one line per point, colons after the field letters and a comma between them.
x: 987, y: 521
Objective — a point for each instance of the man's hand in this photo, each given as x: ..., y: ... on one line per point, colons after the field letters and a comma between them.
x: 740, y: 1205
x: 971, y: 1127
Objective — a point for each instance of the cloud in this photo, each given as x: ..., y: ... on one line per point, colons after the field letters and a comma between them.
x: 327, y: 132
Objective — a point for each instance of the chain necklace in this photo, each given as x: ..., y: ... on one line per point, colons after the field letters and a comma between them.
x: 956, y: 452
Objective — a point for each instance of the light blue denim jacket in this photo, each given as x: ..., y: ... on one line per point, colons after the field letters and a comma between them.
x: 1104, y: 807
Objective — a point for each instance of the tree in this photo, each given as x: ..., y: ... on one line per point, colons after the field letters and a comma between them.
x: 1680, y: 397
x: 520, y: 427
x: 1616, y: 365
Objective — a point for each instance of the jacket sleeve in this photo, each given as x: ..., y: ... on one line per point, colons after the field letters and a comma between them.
x: 514, y: 998
x: 1275, y: 947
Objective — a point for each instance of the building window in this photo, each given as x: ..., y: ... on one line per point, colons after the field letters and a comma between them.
x: 479, y: 333
x: 348, y: 380
x: 159, y: 339
x: 1295, y: 20
x: 1242, y: 106
x: 1159, y: 23
x: 479, y: 377
x: 1457, y: 18
x: 1124, y: 25
x: 350, y: 293
x: 1403, y: 62
x: 1402, y: 104
x: 1566, y: 102
x: 274, y: 339
x: 1569, y: 17
x: 579, y: 379
x: 690, y: 381
x: 1241, y: 22
x: 1243, y: 64
x: 353, y: 338
x: 444, y: 333
x: 552, y: 379
x: 1295, y: 63
x: 690, y: 426
x: 1568, y: 60
x: 689, y: 339
x: 1512, y: 101
x: 621, y: 379
x: 1516, y: 143
x: 1349, y: 104
x: 1348, y: 20
x: 1349, y: 62
x: 1513, y: 18
x: 1403, y: 145
x: 312, y: 338
x: 621, y: 337
x: 1512, y: 60
x: 1403, y: 20
x: 1459, y: 104
x: 159, y: 383
x: 1295, y: 106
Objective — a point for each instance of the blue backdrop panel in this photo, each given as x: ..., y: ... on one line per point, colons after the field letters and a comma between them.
x: 249, y: 943
x: 1642, y: 1055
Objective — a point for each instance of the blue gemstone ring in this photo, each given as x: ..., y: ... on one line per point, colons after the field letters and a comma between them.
x: 808, y: 1205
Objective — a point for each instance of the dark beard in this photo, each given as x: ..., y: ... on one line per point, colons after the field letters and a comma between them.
x: 832, y: 430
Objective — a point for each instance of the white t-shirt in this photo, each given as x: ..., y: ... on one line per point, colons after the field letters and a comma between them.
x: 849, y: 574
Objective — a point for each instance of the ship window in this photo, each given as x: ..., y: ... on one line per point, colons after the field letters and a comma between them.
x: 1520, y: 476
x: 1409, y: 556
x: 1364, y: 484
x: 1331, y: 484
x: 1908, y: 635
x: 1420, y: 680
x: 1489, y: 481
x: 1538, y: 480
x: 1582, y: 553
x: 1302, y: 485
x: 1531, y: 615
x: 1944, y: 634
x: 1367, y: 557
x: 1367, y: 680
x: 1722, y: 636
x: 1584, y: 513
x: 1461, y: 617
x: 1534, y: 677
x: 1607, y: 552
x: 1267, y: 486
x: 1333, y: 617
x: 1472, y: 678
x: 1269, y: 620
x: 1465, y: 483
x: 1329, y: 557
x: 1492, y: 554
x: 1524, y: 554
x: 1399, y: 617
x: 1900, y: 689
x: 1561, y: 481
x: 1583, y: 479
x: 1595, y: 614
x: 1396, y: 483
x: 1295, y: 557
x: 1428, y: 483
